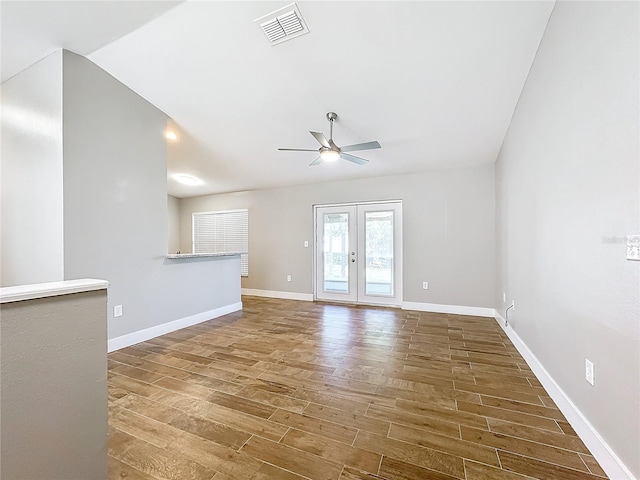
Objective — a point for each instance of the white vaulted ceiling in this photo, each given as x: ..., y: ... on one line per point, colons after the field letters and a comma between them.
x: 32, y: 29
x: 434, y: 82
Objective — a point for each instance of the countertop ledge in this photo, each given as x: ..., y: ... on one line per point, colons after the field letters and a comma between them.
x: 178, y: 256
x: 50, y: 289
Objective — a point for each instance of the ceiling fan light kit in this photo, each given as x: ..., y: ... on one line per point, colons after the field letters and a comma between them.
x: 329, y: 155
x: 330, y: 152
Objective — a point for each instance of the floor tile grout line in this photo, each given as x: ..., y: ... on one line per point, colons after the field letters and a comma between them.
x: 449, y: 452
x: 504, y: 397
x: 431, y: 468
x: 244, y: 443
x: 286, y: 470
x: 544, y: 461
x: 536, y: 442
x: 171, y: 366
x: 353, y: 442
x: 204, y: 386
x: 516, y: 412
x: 524, y: 403
x: 144, y: 440
x: 129, y: 447
x: 509, y: 451
x: 154, y: 476
x: 186, y: 394
x: 159, y: 403
x: 585, y: 464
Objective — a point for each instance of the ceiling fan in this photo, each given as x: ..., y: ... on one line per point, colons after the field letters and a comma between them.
x: 330, y: 152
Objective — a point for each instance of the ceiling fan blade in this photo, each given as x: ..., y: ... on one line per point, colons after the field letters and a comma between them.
x: 297, y: 150
x: 321, y: 139
x: 360, y: 146
x: 317, y: 161
x: 354, y: 159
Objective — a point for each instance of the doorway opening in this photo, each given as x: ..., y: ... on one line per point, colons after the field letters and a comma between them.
x: 358, y: 253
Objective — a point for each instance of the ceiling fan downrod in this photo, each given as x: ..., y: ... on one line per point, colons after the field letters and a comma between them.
x: 331, y: 116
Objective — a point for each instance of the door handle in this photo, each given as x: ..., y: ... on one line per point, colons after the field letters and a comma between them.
x: 353, y: 260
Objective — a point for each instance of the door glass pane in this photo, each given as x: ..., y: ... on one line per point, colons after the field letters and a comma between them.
x: 379, y: 253
x: 336, y: 252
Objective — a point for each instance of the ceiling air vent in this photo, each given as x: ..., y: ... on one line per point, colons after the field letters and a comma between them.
x: 283, y: 24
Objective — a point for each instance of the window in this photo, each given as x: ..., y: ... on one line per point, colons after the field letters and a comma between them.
x: 223, y: 232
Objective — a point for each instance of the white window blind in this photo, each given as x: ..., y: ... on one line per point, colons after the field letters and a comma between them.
x: 223, y: 232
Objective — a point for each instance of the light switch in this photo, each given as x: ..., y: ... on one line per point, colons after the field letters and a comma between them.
x: 306, y: 244
x: 633, y: 247
x: 589, y: 371
x: 117, y: 311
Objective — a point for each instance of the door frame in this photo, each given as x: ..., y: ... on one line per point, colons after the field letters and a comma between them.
x: 398, y: 261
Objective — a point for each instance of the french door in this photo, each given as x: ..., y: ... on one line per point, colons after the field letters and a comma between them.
x: 358, y: 253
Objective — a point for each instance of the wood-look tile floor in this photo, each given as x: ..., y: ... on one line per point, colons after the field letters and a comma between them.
x: 290, y: 390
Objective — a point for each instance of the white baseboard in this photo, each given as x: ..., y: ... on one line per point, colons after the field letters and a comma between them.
x: 455, y: 309
x: 307, y: 297
x: 606, y: 457
x: 153, y: 332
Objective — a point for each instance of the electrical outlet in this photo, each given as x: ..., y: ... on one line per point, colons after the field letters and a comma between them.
x: 425, y: 285
x: 504, y: 297
x: 633, y: 247
x: 117, y: 311
x: 288, y: 278
x: 589, y: 371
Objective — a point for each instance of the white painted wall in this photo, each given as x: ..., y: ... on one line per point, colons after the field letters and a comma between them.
x: 568, y: 192
x: 31, y: 242
x: 448, y: 231
x: 115, y: 207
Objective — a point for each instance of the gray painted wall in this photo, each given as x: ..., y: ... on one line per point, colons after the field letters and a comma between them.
x: 448, y: 233
x: 31, y: 238
x: 568, y: 193
x: 115, y: 207
x: 53, y: 365
x: 173, y: 214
